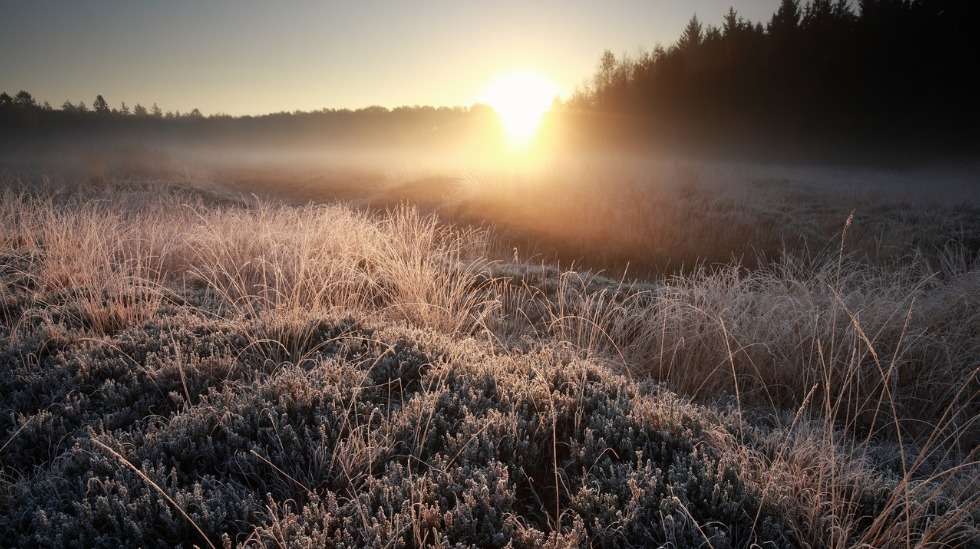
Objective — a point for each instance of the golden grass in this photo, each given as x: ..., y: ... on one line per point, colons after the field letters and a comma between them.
x: 847, y: 359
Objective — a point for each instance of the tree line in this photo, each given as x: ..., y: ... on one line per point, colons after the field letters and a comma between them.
x: 821, y: 70
x: 22, y: 105
x: 824, y: 73
x: 24, y: 102
x: 25, y: 122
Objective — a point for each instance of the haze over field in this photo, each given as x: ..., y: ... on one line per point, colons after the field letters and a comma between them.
x: 551, y: 274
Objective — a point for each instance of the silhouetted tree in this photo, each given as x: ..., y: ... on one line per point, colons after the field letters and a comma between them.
x: 731, y: 23
x: 692, y: 36
x: 123, y: 109
x: 6, y: 100
x: 100, y: 105
x: 605, y: 75
x: 139, y: 110
x: 24, y: 100
x: 786, y: 20
x: 155, y: 111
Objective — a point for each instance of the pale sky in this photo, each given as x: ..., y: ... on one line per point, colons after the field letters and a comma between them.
x: 253, y: 56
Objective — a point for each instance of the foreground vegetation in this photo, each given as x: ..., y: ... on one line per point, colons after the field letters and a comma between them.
x: 182, y: 367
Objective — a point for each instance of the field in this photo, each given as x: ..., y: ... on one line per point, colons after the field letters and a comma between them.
x: 275, y: 359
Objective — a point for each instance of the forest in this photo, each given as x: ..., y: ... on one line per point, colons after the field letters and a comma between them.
x: 893, y: 72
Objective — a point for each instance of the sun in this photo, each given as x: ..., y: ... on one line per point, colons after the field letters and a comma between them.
x: 521, y: 100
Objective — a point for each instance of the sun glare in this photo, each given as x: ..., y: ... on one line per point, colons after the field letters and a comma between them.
x: 521, y: 101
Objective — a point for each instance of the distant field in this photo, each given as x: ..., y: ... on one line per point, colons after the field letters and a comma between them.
x: 671, y: 354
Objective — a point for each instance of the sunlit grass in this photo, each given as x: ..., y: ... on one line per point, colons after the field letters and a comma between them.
x: 334, y: 355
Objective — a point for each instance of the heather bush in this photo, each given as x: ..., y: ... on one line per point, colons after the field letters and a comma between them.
x: 386, y: 436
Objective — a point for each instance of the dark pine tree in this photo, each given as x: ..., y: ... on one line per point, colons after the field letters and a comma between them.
x: 100, y: 105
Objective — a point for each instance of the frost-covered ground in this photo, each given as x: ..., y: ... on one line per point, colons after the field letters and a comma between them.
x: 179, y: 366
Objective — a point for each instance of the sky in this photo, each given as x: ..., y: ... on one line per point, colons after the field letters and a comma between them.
x: 256, y: 56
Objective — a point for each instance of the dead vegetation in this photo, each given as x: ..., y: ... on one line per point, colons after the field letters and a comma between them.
x: 180, y: 368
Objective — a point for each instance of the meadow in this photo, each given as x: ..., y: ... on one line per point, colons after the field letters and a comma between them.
x: 271, y: 359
